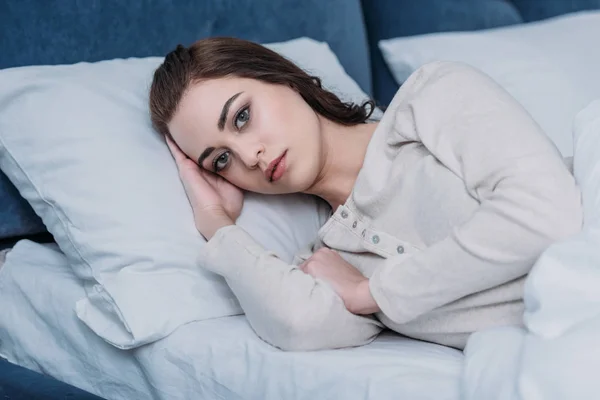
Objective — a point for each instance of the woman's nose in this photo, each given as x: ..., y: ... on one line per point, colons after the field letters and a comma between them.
x: 251, y: 154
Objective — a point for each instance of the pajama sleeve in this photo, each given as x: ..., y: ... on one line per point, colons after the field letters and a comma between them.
x: 286, y: 307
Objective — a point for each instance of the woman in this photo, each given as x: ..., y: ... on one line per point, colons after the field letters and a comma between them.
x: 440, y: 209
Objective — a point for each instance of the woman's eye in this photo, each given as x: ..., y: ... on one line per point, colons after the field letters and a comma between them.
x: 221, y: 162
x: 242, y: 117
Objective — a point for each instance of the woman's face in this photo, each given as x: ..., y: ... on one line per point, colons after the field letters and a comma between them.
x: 261, y: 137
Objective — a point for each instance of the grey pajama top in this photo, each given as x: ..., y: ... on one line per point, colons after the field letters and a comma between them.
x: 459, y: 193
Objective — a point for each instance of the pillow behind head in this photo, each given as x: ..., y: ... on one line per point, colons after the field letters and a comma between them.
x: 77, y: 142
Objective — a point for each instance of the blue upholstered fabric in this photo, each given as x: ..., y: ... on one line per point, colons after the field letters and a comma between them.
x: 64, y: 31
x: 533, y: 10
x: 16, y: 215
x: 18, y: 383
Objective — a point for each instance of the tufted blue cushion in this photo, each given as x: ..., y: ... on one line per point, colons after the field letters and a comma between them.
x: 533, y: 10
x: 64, y: 31
x: 393, y: 18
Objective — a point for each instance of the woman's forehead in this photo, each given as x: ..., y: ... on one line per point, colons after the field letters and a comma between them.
x: 220, y: 87
x: 195, y: 124
x: 205, y: 100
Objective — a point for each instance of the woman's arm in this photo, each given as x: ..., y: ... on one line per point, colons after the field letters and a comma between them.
x: 286, y: 307
x: 528, y: 198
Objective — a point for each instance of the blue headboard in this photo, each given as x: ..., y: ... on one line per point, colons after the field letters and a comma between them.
x: 37, y: 32
x: 65, y: 31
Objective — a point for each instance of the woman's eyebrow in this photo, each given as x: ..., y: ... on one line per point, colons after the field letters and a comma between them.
x: 204, y: 155
x: 225, y: 110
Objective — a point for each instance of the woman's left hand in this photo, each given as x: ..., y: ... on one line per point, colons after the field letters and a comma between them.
x: 348, y: 282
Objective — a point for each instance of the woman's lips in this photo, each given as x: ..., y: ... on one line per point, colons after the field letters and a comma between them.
x: 276, y: 168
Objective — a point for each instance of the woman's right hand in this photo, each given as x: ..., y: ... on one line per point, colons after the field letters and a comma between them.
x: 215, y: 202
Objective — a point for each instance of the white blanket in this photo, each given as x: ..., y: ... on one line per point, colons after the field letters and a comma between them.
x: 214, y: 359
x: 557, y: 356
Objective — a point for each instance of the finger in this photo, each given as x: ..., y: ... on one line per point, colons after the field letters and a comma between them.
x: 179, y: 156
x: 175, y: 151
x: 209, y: 177
x: 302, y: 267
x: 213, y: 179
x: 169, y: 143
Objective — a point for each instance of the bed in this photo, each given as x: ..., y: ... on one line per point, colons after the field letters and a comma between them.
x: 55, y: 356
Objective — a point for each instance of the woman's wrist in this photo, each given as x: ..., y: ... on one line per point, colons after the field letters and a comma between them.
x: 364, y: 302
x: 210, y: 226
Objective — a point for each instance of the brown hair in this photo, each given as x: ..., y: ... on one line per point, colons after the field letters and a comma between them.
x: 220, y: 57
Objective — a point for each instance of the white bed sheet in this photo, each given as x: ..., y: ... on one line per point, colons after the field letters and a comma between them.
x: 215, y: 359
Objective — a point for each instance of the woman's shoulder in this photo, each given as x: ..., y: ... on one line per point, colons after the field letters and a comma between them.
x: 430, y: 75
x: 431, y: 85
x: 418, y: 79
x: 440, y: 69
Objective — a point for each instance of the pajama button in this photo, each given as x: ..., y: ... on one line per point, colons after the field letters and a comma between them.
x: 375, y: 239
x: 344, y: 214
x: 354, y: 224
x: 400, y: 249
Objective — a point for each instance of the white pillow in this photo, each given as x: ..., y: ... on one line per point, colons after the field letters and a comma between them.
x: 551, y: 67
x: 77, y: 142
